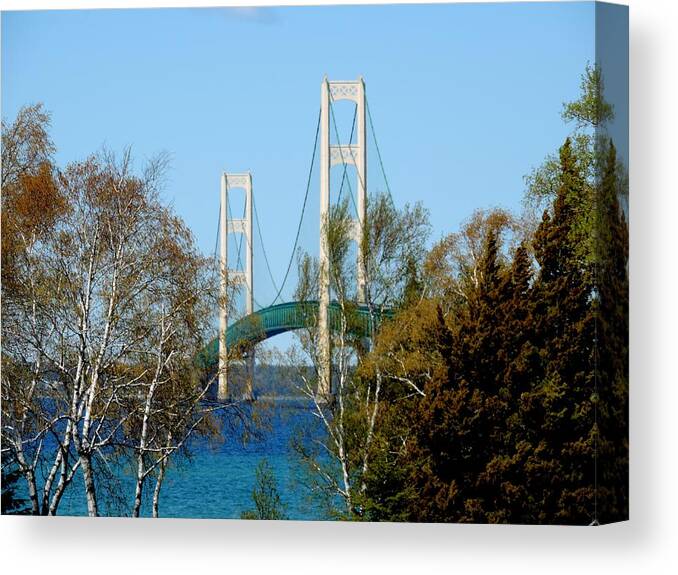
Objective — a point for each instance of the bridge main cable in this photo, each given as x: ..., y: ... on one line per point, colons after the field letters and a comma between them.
x: 303, y: 210
x: 376, y: 145
x: 263, y: 247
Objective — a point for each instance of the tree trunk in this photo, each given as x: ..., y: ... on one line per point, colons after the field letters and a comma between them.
x: 32, y: 491
x: 64, y: 480
x: 29, y: 474
x: 90, y: 490
x: 65, y: 476
x: 139, y: 490
x: 158, y: 485
x: 47, y: 489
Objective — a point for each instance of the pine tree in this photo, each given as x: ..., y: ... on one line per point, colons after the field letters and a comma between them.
x: 265, y: 495
x: 508, y: 496
x: 612, y: 347
x: 12, y: 502
x: 460, y: 424
x: 560, y: 410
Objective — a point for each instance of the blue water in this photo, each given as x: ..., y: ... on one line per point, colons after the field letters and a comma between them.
x: 217, y: 482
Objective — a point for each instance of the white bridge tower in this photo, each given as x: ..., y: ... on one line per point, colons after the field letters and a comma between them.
x: 229, y: 277
x: 330, y: 155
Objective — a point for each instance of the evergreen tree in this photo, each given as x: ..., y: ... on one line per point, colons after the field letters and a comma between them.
x: 524, y: 414
x: 482, y: 362
x: 612, y: 301
x: 508, y: 496
x: 267, y: 501
x: 12, y: 502
x: 560, y: 410
x: 459, y: 425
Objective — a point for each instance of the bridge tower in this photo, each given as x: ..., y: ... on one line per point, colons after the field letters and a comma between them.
x: 330, y: 155
x: 234, y: 226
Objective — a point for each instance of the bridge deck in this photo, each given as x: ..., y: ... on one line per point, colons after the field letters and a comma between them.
x: 284, y: 317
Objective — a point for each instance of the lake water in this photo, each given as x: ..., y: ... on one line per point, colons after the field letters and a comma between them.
x: 219, y: 479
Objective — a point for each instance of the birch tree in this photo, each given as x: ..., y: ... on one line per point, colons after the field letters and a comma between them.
x: 452, y: 270
x: 32, y: 204
x: 106, y: 303
x: 338, y: 459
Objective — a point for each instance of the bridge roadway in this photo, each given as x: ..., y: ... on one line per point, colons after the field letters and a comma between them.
x: 277, y: 319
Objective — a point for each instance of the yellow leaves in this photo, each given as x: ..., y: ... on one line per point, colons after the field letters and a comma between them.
x: 36, y: 202
x: 25, y: 144
x: 31, y: 202
x: 406, y: 349
x: 453, y: 267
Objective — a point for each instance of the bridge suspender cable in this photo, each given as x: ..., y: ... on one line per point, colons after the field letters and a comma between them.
x: 263, y: 248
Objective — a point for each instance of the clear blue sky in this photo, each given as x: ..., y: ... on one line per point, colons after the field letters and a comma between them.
x: 466, y: 99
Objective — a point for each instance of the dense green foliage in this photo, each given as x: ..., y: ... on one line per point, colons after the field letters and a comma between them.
x: 12, y: 502
x: 523, y: 411
x: 504, y: 374
x: 265, y: 495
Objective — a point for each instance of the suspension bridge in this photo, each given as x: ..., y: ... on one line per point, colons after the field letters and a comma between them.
x: 322, y: 313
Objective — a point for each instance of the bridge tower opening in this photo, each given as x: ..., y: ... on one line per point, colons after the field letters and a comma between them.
x: 230, y: 181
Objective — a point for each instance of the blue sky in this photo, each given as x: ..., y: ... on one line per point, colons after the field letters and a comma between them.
x: 466, y: 98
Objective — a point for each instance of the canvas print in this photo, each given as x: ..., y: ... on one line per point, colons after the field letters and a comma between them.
x: 357, y: 263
